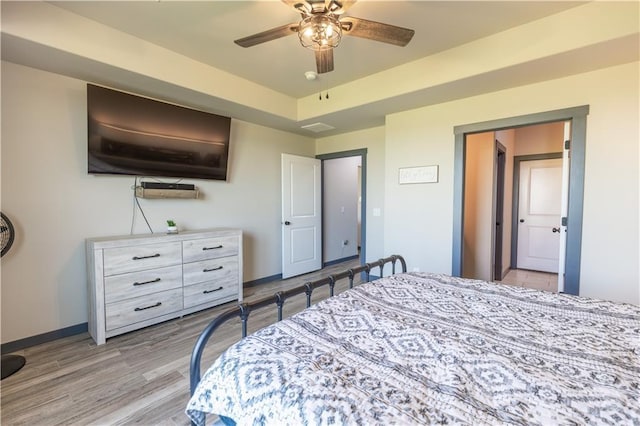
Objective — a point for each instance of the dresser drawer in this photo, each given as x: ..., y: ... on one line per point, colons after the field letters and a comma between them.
x: 208, y: 292
x: 138, y: 258
x: 223, y: 269
x: 142, y: 308
x: 209, y: 248
x: 136, y: 284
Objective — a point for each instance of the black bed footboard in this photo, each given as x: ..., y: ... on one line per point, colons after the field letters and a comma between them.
x: 244, y: 309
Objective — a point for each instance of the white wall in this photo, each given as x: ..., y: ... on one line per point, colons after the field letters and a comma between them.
x: 54, y: 204
x: 418, y: 220
x: 373, y: 140
x: 340, y: 208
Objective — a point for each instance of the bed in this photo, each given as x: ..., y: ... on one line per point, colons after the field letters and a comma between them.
x: 420, y: 348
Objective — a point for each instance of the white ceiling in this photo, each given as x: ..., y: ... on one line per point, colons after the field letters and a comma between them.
x: 205, y: 30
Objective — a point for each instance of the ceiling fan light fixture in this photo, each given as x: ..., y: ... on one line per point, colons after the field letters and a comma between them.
x: 317, y: 32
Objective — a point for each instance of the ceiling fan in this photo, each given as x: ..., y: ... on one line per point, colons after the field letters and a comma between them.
x: 322, y: 27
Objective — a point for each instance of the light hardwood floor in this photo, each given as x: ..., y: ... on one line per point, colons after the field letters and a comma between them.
x: 531, y: 279
x: 141, y: 377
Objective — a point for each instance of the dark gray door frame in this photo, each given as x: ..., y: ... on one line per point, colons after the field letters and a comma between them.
x: 498, y: 203
x: 362, y: 153
x: 578, y: 118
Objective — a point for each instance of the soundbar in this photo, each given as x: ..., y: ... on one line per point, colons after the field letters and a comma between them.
x: 166, y: 193
x: 162, y: 185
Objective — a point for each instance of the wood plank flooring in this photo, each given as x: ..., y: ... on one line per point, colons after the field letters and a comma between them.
x: 532, y: 279
x: 141, y: 377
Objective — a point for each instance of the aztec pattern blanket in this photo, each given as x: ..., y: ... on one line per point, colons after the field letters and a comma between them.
x: 432, y: 349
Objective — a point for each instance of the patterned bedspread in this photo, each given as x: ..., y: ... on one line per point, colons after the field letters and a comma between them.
x: 431, y: 349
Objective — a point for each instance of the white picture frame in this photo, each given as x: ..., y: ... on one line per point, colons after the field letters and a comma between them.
x: 421, y: 174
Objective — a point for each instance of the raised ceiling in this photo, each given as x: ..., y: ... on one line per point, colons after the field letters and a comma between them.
x: 205, y: 30
x: 183, y: 52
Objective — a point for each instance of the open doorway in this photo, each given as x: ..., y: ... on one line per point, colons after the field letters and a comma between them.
x: 343, y: 201
x: 463, y: 134
x: 528, y: 240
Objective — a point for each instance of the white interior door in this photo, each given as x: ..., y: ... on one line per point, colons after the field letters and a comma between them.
x: 539, y: 215
x: 301, y: 215
x: 564, y: 205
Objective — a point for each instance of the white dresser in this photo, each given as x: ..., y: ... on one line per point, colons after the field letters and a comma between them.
x: 139, y: 280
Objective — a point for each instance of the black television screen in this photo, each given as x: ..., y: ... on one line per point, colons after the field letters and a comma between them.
x: 132, y: 135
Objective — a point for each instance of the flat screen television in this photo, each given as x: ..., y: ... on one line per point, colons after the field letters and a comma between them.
x: 132, y: 135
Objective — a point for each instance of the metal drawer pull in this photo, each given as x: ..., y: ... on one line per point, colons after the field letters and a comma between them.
x: 147, y: 282
x: 211, y: 291
x: 148, y: 307
x: 146, y: 257
x: 212, y: 269
x: 212, y: 248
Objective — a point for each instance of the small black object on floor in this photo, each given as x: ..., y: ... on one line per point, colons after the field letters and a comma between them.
x: 11, y: 364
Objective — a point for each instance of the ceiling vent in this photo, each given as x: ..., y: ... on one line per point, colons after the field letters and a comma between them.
x: 318, y: 127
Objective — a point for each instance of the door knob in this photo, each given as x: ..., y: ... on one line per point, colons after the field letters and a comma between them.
x: 555, y: 229
x: 521, y: 220
x: 286, y: 222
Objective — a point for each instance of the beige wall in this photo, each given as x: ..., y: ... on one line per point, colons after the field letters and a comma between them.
x: 540, y: 139
x: 478, y: 206
x: 55, y: 204
x: 418, y: 220
x: 373, y: 140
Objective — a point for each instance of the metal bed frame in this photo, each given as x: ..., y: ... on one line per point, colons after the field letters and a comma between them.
x: 243, y: 310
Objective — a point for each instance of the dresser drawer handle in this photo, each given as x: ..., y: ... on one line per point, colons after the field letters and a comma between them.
x: 212, y: 269
x: 145, y: 257
x: 211, y: 291
x: 212, y: 248
x: 147, y: 282
x: 148, y: 307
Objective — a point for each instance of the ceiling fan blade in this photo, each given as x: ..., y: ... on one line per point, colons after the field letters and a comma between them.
x: 268, y: 35
x: 377, y: 31
x: 324, y: 61
x: 338, y: 7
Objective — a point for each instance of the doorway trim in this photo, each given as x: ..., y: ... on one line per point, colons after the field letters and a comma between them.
x: 500, y: 163
x: 578, y: 117
x: 362, y: 153
x: 516, y: 198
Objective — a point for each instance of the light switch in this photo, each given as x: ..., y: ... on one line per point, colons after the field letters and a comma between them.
x: 376, y: 211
